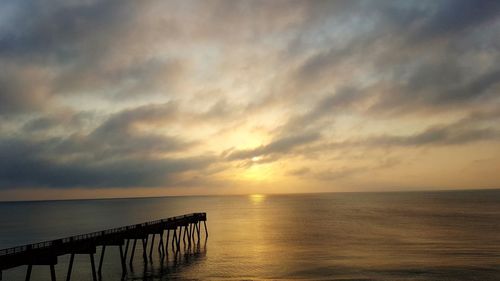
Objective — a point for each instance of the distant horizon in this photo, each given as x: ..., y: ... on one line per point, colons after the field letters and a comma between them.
x: 264, y: 194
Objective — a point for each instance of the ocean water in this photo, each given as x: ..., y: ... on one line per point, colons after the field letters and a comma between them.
x: 337, y: 236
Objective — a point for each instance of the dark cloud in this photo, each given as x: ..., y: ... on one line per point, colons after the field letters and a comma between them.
x: 24, y: 165
x: 437, y: 87
x: 278, y: 146
x: 66, y: 120
x: 456, y: 16
x: 329, y: 105
x: 477, y: 127
x: 118, y: 136
x: 56, y: 30
x: 114, y: 154
x: 437, y: 136
x: 124, y: 121
x: 476, y: 88
x: 399, y: 51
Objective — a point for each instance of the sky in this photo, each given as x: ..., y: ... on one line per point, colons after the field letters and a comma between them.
x: 126, y: 98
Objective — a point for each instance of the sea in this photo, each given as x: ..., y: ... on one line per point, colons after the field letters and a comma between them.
x: 449, y: 235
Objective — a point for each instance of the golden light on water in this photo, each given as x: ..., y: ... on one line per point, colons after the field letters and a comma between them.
x: 257, y: 198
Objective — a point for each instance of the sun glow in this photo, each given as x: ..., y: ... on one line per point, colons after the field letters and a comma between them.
x: 256, y: 158
x: 258, y: 172
x: 257, y: 198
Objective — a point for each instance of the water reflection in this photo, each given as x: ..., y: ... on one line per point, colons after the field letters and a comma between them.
x: 257, y: 198
x: 169, y: 267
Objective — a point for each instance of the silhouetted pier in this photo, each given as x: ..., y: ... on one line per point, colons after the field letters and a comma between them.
x: 184, y: 230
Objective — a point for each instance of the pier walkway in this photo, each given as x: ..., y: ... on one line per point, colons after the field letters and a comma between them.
x: 185, y: 231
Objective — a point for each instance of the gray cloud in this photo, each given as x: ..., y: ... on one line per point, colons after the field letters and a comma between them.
x: 113, y: 154
x: 438, y: 85
x: 313, y: 62
x: 24, y: 165
x: 23, y: 89
x: 477, y: 127
x: 278, y: 146
x: 329, y: 105
x: 437, y: 136
x: 454, y: 16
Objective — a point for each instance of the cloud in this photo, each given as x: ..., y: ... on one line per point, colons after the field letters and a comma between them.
x: 455, y: 16
x: 278, y: 146
x: 476, y: 127
x: 23, y: 166
x: 49, y: 163
x: 23, y: 89
x: 141, y: 93
x: 113, y: 154
x: 329, y: 105
x: 438, y: 85
x: 436, y: 136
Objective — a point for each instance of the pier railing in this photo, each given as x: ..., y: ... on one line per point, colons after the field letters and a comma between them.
x: 45, y: 253
x: 92, y: 235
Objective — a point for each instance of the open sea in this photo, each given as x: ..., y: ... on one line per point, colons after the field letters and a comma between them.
x: 336, y: 236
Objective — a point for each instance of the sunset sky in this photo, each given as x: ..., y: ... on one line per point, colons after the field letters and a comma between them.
x: 147, y: 98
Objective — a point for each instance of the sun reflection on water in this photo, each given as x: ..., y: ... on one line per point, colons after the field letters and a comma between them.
x: 257, y: 198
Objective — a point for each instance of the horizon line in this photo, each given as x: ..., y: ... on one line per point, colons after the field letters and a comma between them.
x: 248, y: 194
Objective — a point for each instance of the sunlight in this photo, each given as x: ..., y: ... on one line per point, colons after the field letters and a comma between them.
x: 256, y: 158
x: 246, y: 138
x: 257, y: 198
x: 258, y: 172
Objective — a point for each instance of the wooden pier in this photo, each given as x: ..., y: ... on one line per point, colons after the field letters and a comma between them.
x: 185, y: 231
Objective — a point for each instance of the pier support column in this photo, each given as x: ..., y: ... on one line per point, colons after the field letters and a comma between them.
x: 160, y: 245
x: 99, y: 270
x: 166, y: 242
x: 189, y: 235
x: 194, y: 232
x: 70, y: 266
x: 198, y: 231
x: 144, y: 249
x: 191, y: 230
x: 92, y: 265
x: 206, y: 230
x: 28, y: 272
x: 123, y: 260
x: 126, y: 250
x: 152, y: 244
x: 184, y: 236
x: 174, y: 240
x: 52, y: 273
x: 179, y: 239
x: 133, y: 252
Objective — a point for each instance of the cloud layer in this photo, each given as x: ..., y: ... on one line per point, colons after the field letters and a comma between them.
x: 242, y: 96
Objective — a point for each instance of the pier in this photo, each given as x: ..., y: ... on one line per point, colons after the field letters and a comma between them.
x: 181, y: 231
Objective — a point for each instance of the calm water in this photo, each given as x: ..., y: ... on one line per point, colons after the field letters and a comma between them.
x: 363, y: 236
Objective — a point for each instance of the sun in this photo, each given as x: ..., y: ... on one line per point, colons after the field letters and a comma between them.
x: 256, y: 158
